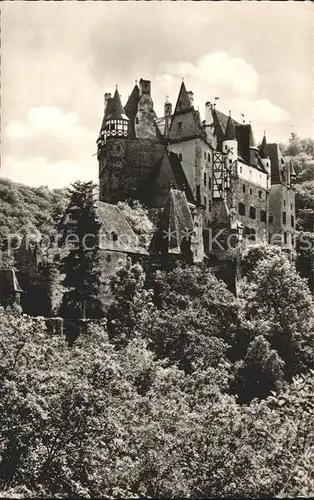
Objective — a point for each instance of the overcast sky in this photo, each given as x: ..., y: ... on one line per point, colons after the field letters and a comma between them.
x: 58, y: 59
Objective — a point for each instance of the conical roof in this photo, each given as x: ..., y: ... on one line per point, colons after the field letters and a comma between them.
x: 230, y: 134
x: 183, y: 102
x: 114, y: 108
x: 263, y: 148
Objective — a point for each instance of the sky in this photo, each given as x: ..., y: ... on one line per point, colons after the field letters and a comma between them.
x: 59, y: 58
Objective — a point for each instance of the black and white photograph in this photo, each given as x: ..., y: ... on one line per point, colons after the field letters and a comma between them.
x: 157, y: 249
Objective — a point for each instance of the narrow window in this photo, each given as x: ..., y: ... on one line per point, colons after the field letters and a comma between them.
x: 285, y: 237
x: 243, y: 188
x: 263, y: 216
x: 284, y: 203
x: 284, y: 217
x: 209, y: 183
x: 260, y: 195
x: 291, y: 206
x: 136, y: 121
x: 179, y: 125
x: 240, y: 169
x: 252, y: 212
x: 251, y: 191
x: 204, y: 155
x: 241, y: 209
x: 205, y: 179
x: 292, y: 220
x: 114, y: 236
x: 205, y: 201
x: 108, y: 257
x: 208, y: 157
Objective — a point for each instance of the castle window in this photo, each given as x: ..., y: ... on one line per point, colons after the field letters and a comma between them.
x: 284, y: 203
x: 114, y: 236
x: 260, y: 194
x: 285, y: 237
x: 270, y: 219
x: 112, y: 126
x: 243, y: 188
x: 241, y: 209
x: 205, y: 201
x: 252, y: 212
x: 108, y: 258
x: 180, y: 156
x: 136, y: 121
x: 292, y: 220
x: 230, y: 161
x: 209, y: 183
x: 179, y: 125
x: 208, y: 156
x: 284, y: 217
x: 204, y: 155
x: 205, y: 179
x: 240, y: 169
x: 291, y: 206
x: 251, y: 191
x: 263, y: 216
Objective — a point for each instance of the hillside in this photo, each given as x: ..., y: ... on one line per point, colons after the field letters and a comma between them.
x: 24, y: 207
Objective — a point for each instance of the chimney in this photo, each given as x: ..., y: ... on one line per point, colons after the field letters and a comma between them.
x: 107, y: 97
x: 144, y: 86
x: 191, y: 97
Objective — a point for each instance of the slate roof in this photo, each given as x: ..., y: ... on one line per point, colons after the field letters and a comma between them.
x: 8, y: 283
x: 183, y: 101
x: 230, y: 134
x: 263, y: 148
x: 276, y: 164
x: 115, y: 233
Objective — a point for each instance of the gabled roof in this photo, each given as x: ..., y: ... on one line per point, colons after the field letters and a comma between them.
x: 220, y: 123
x: 132, y: 102
x: 8, y: 282
x: 115, y: 232
x: 176, y: 224
x: 183, y: 101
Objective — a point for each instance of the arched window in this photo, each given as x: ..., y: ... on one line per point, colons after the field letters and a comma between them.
x: 241, y: 208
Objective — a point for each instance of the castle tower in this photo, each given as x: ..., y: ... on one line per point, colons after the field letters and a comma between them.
x: 265, y: 160
x: 115, y: 122
x: 230, y: 144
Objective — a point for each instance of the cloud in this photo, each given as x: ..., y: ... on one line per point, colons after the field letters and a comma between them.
x: 46, y: 120
x: 220, y: 70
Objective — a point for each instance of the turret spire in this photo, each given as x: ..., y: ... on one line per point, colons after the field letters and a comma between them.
x: 263, y: 148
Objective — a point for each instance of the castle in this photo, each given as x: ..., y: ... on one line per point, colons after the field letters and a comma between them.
x: 208, y: 177
x: 212, y: 188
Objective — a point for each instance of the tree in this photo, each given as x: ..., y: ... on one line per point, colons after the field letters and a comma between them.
x: 277, y: 300
x: 81, y: 264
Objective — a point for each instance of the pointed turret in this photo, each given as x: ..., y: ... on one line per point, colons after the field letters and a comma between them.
x: 185, y: 100
x: 230, y: 144
x: 230, y: 134
x: 263, y: 148
x: 263, y: 152
x: 115, y: 121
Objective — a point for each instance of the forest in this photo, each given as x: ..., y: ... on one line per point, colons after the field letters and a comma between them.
x: 181, y: 389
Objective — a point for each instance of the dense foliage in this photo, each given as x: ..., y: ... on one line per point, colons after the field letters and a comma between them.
x: 29, y: 208
x: 94, y: 421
